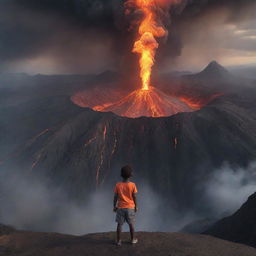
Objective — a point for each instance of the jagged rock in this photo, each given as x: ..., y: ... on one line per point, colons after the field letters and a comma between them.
x: 239, y: 227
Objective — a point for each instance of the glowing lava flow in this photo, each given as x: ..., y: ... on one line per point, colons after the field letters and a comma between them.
x: 150, y: 103
x: 146, y: 45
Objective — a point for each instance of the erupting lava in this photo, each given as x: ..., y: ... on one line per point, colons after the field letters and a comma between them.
x: 151, y: 102
x: 146, y: 45
x: 146, y: 101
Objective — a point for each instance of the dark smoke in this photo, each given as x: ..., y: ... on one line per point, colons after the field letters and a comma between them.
x: 68, y: 34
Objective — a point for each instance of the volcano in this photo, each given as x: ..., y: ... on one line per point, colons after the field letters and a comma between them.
x: 190, y: 93
x: 81, y: 150
x: 149, y: 103
x: 215, y: 71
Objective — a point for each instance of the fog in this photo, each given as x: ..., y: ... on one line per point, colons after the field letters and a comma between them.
x: 30, y: 204
x: 228, y: 188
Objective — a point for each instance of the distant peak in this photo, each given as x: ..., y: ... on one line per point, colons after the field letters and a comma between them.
x: 215, y: 66
x: 214, y: 63
x: 214, y: 69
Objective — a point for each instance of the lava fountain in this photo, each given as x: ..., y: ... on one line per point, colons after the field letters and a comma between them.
x: 147, y: 100
x: 146, y: 44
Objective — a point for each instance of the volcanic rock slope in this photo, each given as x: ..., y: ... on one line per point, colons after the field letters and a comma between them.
x: 150, y: 244
x: 240, y: 227
x: 81, y: 150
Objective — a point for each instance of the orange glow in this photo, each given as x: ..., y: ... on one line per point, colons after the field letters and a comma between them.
x: 146, y: 44
x: 196, y: 104
x: 147, y: 101
x: 175, y: 142
x: 151, y: 102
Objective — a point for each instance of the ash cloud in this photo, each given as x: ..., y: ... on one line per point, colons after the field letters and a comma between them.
x: 208, y: 30
x: 67, y: 36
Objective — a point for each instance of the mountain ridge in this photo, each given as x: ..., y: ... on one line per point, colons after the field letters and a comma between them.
x: 239, y: 227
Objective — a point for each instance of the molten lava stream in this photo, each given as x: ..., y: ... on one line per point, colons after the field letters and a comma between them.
x: 149, y: 103
x: 146, y: 44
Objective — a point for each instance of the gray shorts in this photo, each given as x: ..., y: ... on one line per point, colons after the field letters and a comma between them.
x: 125, y: 215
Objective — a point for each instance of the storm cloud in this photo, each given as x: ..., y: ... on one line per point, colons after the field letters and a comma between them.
x: 85, y: 36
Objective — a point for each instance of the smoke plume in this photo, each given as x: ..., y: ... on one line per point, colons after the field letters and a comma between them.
x: 68, y: 35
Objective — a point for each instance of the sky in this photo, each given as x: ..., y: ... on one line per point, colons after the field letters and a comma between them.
x: 91, y: 36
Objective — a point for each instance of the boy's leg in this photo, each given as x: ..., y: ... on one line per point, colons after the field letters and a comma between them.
x: 118, y: 232
x: 120, y: 218
x: 131, y: 226
x: 130, y: 218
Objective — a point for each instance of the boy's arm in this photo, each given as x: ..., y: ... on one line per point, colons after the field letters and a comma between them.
x: 115, y: 202
x: 134, y: 196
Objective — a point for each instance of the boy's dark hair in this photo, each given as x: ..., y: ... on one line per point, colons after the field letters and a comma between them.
x: 126, y: 171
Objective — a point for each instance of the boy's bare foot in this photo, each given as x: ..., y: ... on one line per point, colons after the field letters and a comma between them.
x: 134, y: 241
x: 119, y: 243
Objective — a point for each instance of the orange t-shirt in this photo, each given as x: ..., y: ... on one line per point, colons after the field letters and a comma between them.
x: 125, y: 191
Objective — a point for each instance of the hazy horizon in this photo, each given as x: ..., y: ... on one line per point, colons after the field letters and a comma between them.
x: 230, y: 68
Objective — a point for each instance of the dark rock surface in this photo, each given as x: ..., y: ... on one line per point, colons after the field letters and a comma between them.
x: 240, y: 227
x: 5, y: 230
x: 199, y: 226
x: 150, y: 244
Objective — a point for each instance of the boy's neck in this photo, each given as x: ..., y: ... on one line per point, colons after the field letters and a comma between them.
x: 126, y: 180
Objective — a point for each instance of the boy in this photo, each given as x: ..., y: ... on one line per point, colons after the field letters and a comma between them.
x: 125, y: 204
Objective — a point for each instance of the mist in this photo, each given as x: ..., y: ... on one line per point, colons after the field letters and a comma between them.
x: 32, y: 204
x: 229, y: 187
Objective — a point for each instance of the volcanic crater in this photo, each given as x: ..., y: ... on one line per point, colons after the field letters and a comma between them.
x: 148, y: 103
x: 185, y: 94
